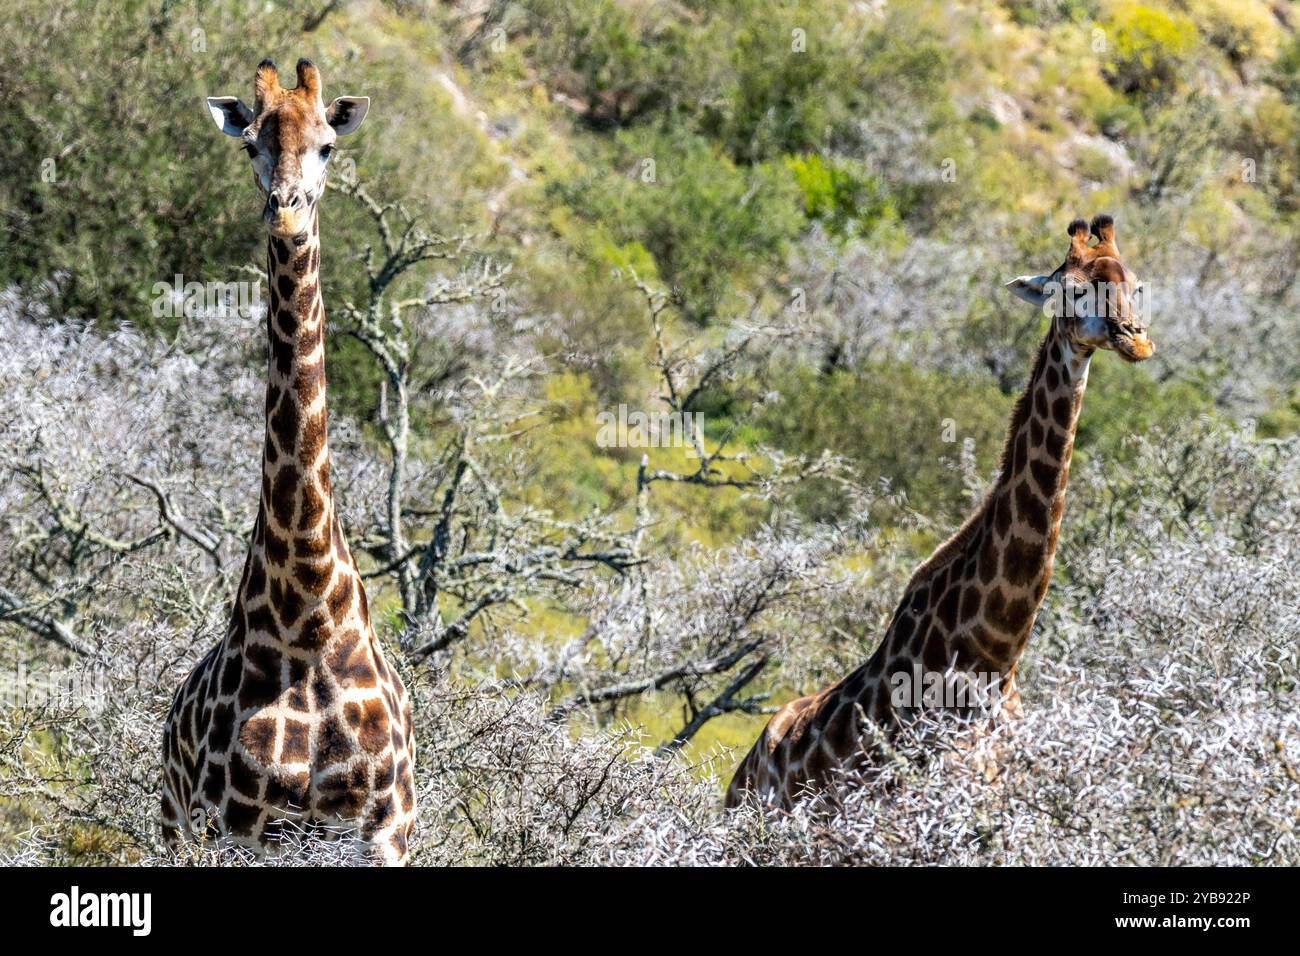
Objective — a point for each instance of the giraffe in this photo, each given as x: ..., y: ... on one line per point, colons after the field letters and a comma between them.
x: 970, y: 608
x: 295, y: 715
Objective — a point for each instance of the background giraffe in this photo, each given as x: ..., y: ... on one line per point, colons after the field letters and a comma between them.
x: 295, y: 715
x: 971, y: 607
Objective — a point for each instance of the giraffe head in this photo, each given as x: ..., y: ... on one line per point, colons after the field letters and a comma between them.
x: 1095, y: 298
x: 289, y: 136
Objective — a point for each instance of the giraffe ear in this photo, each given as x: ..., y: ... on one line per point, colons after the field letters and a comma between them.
x: 346, y: 113
x: 230, y: 114
x: 1033, y: 289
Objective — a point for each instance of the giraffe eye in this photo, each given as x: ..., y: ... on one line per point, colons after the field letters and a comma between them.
x: 249, y: 148
x: 326, y: 152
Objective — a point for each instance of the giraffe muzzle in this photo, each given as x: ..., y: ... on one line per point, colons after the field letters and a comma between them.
x: 1130, y: 341
x: 286, y: 214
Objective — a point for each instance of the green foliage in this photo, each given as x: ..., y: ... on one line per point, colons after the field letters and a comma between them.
x: 762, y: 78
x: 619, y: 62
x: 786, y: 84
x: 1148, y: 48
x: 1242, y: 32
x: 709, y: 223
x: 1118, y: 117
x: 1284, y: 418
x: 1124, y: 401
x: 1264, y: 137
x: 897, y: 423
x: 1178, y: 147
x: 109, y: 155
x: 1285, y: 71
x: 1043, y: 13
x: 840, y: 195
x: 115, y: 177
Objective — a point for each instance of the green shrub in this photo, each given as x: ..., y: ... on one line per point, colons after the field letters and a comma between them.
x: 112, y: 176
x: 897, y: 423
x: 709, y: 223
x: 1283, y: 419
x: 841, y: 195
x: 618, y: 62
x: 1147, y: 49
x: 1124, y: 401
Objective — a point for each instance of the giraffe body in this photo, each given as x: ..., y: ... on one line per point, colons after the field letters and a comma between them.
x: 296, y: 715
x: 970, y: 608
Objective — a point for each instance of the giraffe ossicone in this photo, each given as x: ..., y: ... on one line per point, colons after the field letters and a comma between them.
x: 294, y: 720
x: 970, y: 608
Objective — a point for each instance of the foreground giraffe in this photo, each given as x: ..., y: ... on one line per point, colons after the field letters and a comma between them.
x: 970, y: 608
x: 295, y: 715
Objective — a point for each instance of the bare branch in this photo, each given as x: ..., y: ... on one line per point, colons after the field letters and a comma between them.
x: 724, y: 703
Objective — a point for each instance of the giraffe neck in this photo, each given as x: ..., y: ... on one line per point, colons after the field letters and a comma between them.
x: 296, y: 532
x: 972, y: 605
x: 1023, y: 512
